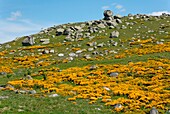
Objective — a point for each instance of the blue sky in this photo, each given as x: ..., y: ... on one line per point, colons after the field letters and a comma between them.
x: 25, y: 17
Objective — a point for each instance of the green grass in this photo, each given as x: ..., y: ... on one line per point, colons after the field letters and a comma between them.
x: 60, y: 105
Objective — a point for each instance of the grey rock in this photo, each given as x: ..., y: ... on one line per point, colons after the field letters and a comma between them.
x: 59, y: 31
x: 72, y: 54
x: 123, y: 27
x: 68, y: 38
x: 131, y: 18
x: 153, y: 111
x: 114, y: 44
x: 111, y: 23
x: 114, y: 34
x: 93, y: 67
x: 86, y: 35
x: 32, y: 92
x: 108, y: 13
x: 130, y: 15
x: 79, y: 51
x: 45, y: 41
x: 89, y: 23
x: 70, y: 58
x: 28, y: 41
x: 93, y: 29
x: 53, y: 95
x: 92, y: 44
x: 3, y: 73
x: 61, y: 55
x: 7, y: 46
x: 95, y: 53
x: 90, y: 49
x: 9, y: 86
x: 52, y: 51
x: 117, y: 16
x: 100, y: 45
x: 117, y: 106
x: 28, y: 77
x: 87, y: 56
x: 45, y: 51
x: 4, y: 97
x: 82, y: 25
x: 157, y: 42
x: 67, y: 31
x: 101, y: 25
x: 111, y: 27
x: 78, y: 28
x: 118, y: 21
x: 113, y: 74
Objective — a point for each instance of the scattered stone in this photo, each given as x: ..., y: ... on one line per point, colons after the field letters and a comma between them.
x: 67, y: 31
x: 4, y: 97
x: 61, y: 55
x: 28, y: 77
x: 113, y: 74
x: 93, y: 67
x: 92, y: 44
x: 79, y: 51
x: 9, y: 86
x: 118, y: 21
x: 97, y: 108
x: 72, y: 55
x: 106, y: 88
x: 45, y: 51
x: 90, y: 49
x: 117, y: 106
x: 20, y: 110
x: 59, y: 31
x: 101, y: 25
x: 112, y: 23
x: 157, y: 42
x: 100, y: 45
x: 95, y: 53
x: 87, y: 35
x: 3, y: 73
x: 53, y: 95
x: 7, y: 46
x: 20, y: 91
x: 70, y: 58
x: 93, y: 29
x: 114, y: 44
x: 114, y: 34
x: 28, y: 41
x: 108, y: 15
x: 52, y: 51
x: 78, y: 28
x: 123, y: 27
x: 111, y: 27
x: 45, y: 41
x: 87, y: 56
x: 32, y: 92
x: 153, y: 111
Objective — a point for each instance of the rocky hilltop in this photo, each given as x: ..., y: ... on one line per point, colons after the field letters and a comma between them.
x: 112, y: 65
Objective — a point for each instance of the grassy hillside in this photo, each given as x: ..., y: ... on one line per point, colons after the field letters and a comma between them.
x: 88, y: 72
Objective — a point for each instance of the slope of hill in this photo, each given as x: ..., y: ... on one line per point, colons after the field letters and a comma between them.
x: 113, y: 65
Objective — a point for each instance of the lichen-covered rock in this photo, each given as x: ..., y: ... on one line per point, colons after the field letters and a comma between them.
x: 28, y: 41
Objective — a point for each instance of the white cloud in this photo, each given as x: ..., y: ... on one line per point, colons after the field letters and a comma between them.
x: 113, y: 4
x: 14, y: 16
x: 17, y: 26
x: 9, y: 30
x: 118, y: 6
x: 159, y: 13
x: 122, y: 10
x: 105, y: 7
